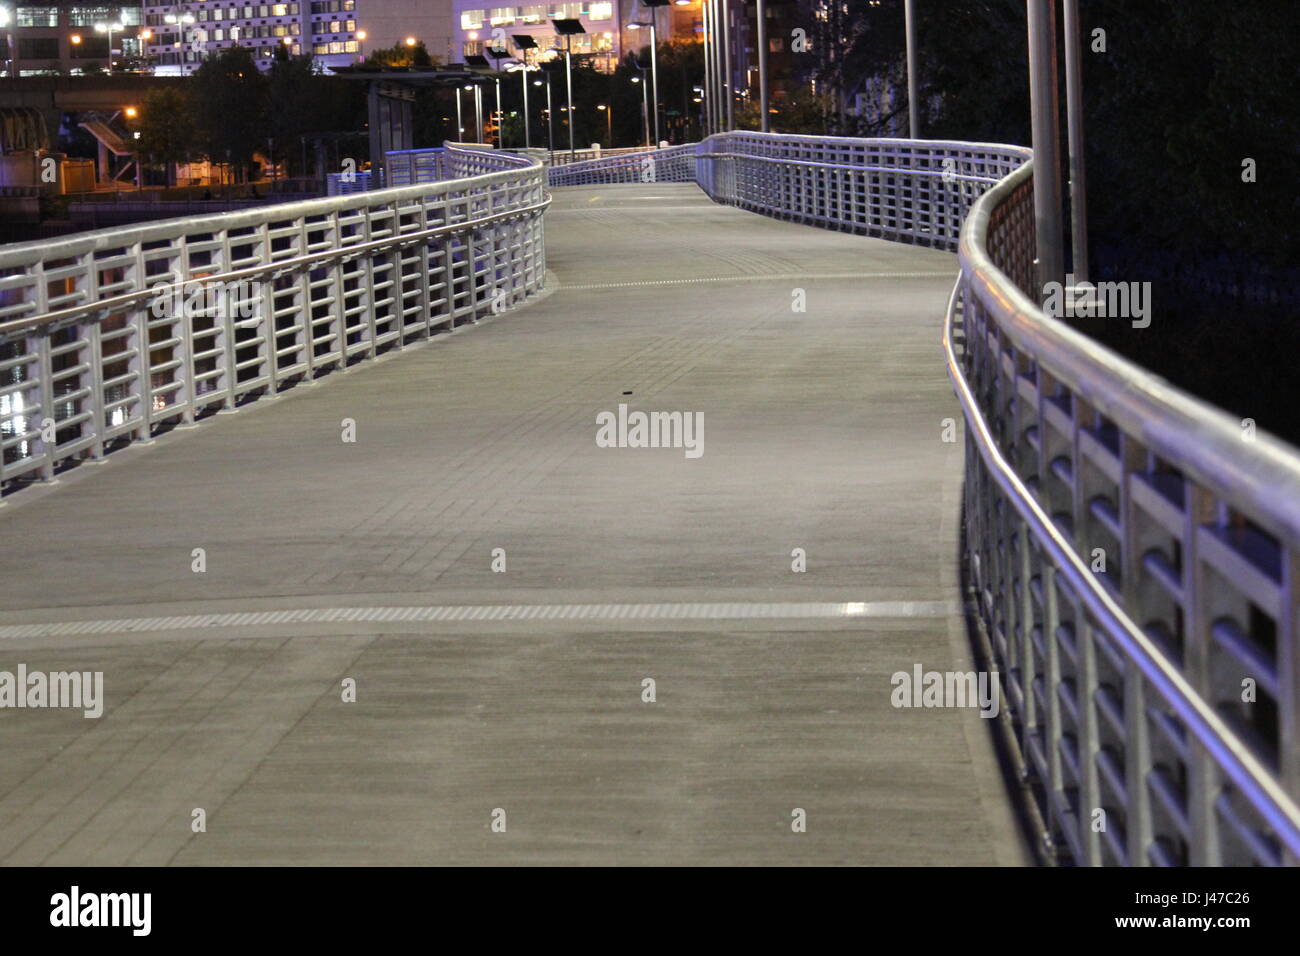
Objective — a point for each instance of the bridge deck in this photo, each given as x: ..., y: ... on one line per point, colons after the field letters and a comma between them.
x: 822, y: 432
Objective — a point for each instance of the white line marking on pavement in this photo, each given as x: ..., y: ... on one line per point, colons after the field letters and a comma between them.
x: 750, y: 277
x: 483, y: 613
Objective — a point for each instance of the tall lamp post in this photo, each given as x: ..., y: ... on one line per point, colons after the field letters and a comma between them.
x: 549, y: 67
x: 498, y: 54
x: 525, y: 42
x: 609, y: 123
x: 523, y: 69
x: 115, y: 26
x: 913, y: 103
x: 569, y: 29
x: 764, y: 117
x: 645, y: 105
x: 654, y: 59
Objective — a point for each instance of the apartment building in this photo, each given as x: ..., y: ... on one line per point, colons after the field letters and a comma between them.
x: 174, y: 38
x: 181, y: 35
x: 68, y: 37
x: 611, y: 28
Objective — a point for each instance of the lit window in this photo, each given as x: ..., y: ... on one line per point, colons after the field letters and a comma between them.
x: 38, y: 17
x: 471, y: 19
x: 600, y: 11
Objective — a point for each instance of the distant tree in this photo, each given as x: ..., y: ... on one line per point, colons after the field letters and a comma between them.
x: 166, y: 127
x: 229, y: 96
x: 402, y: 55
x: 301, y: 101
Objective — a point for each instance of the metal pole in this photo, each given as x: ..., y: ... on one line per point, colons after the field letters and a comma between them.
x: 706, y: 6
x: 528, y: 137
x: 724, y: 9
x: 717, y: 66
x: 550, y: 118
x: 478, y: 110
x: 460, y: 122
x: 1074, y: 121
x: 501, y: 118
x: 1046, y: 125
x: 913, y: 101
x: 645, y: 109
x: 720, y: 62
x: 654, y: 70
x: 761, y: 13
x: 568, y: 82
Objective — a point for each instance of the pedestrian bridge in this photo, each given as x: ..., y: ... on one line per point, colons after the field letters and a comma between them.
x: 317, y: 488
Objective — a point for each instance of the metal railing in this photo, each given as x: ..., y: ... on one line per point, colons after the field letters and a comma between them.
x: 108, y: 336
x: 1133, y: 554
x: 673, y: 164
x: 561, y: 157
x: 915, y: 191
x: 1134, y: 557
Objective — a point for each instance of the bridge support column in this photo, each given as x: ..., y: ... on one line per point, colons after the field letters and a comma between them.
x: 1045, y: 115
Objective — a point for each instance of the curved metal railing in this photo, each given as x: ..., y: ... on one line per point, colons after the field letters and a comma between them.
x: 107, y: 336
x: 673, y: 164
x: 915, y: 191
x: 1134, y: 557
x: 1133, y: 554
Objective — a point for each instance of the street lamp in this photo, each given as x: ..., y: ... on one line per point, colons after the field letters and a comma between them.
x: 569, y: 29
x: 523, y: 69
x: 654, y: 61
x: 478, y: 108
x: 550, y: 115
x: 609, y: 123
x: 645, y: 106
x: 110, y: 29
x: 525, y: 42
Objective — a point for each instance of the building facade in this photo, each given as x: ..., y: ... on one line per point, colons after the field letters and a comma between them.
x: 67, y: 36
x: 181, y: 35
x: 611, y: 28
x: 55, y: 37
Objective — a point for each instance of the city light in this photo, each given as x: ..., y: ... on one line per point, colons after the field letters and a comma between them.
x: 131, y: 112
x: 361, y: 34
x: 75, y: 39
x: 410, y: 41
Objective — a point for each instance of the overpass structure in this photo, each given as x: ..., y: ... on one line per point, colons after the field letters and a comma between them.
x: 407, y: 606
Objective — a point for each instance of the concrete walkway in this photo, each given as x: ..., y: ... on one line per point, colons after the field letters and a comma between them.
x: 822, y: 432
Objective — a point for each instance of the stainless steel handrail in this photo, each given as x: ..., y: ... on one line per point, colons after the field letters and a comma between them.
x: 94, y: 354
x: 1242, y: 766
